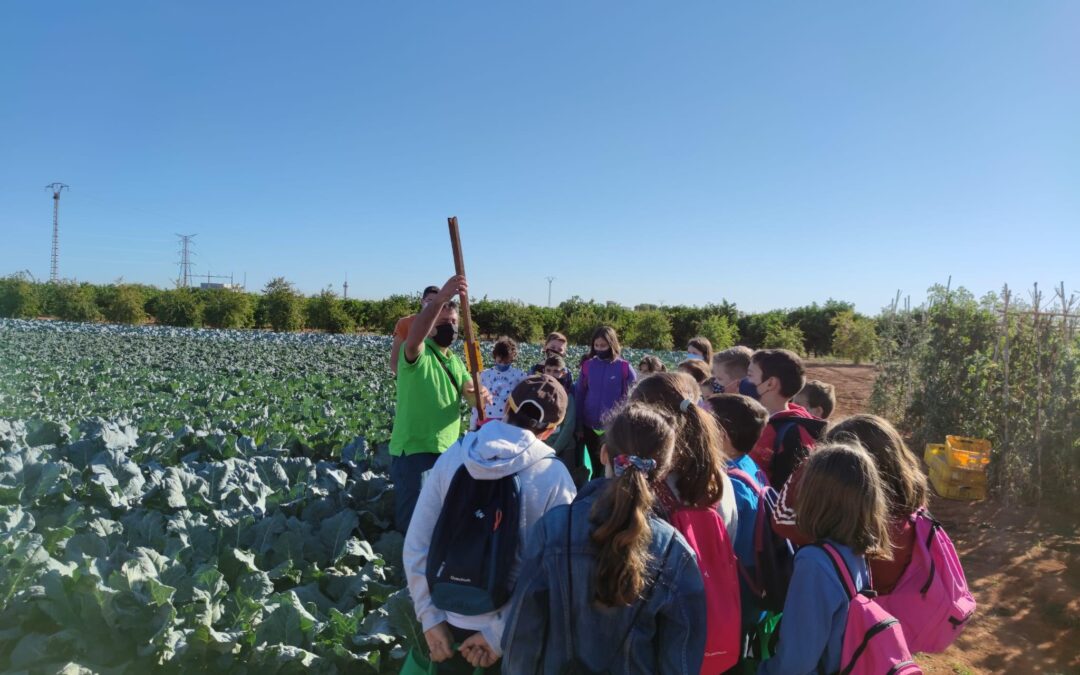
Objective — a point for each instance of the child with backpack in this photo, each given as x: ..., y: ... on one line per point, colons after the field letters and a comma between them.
x: 830, y: 623
x: 741, y: 420
x: 697, y: 498
x: 778, y: 375
x: 480, y: 499
x: 697, y: 477
x: 500, y: 379
x: 606, y: 585
x: 920, y: 580
x: 605, y: 380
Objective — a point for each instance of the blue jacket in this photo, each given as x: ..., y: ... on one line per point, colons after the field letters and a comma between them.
x: 746, y: 503
x: 601, y: 386
x: 815, y: 613
x: 668, y: 635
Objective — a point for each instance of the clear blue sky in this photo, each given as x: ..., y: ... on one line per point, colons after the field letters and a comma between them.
x: 768, y: 153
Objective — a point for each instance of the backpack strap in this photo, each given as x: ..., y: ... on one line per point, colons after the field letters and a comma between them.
x: 841, y: 568
x: 743, y: 477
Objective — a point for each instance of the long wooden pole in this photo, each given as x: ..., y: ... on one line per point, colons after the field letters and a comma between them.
x: 472, y: 348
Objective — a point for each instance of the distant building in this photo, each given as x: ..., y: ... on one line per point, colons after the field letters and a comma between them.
x: 215, y: 286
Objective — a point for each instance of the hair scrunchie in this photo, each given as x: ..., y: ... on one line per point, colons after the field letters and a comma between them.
x: 624, y: 462
x: 685, y: 405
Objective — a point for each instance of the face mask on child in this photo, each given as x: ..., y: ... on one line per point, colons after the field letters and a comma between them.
x: 603, y: 354
x: 691, y: 356
x: 748, y: 388
x: 502, y: 367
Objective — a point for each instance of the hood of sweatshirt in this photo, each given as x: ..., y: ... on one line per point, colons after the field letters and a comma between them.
x: 498, y: 449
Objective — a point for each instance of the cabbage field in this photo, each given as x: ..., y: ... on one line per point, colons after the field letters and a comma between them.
x: 180, y: 500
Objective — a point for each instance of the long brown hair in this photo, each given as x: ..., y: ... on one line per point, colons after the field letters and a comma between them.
x: 905, y: 483
x: 621, y: 512
x: 608, y: 333
x: 841, y: 497
x: 699, y: 456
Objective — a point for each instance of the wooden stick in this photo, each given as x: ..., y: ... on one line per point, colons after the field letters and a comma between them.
x: 472, y: 348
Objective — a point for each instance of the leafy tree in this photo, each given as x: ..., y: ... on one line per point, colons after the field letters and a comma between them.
x: 19, y: 298
x: 283, y: 307
x: 122, y: 303
x: 815, y: 321
x: 651, y: 329
x: 72, y: 301
x: 854, y: 337
x: 720, y: 331
x: 325, y: 312
x: 179, y: 307
x: 780, y: 336
x: 754, y: 328
x: 383, y: 314
x: 227, y: 308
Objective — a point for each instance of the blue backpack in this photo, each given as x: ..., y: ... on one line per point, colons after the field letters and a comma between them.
x: 774, y: 556
x: 474, y: 544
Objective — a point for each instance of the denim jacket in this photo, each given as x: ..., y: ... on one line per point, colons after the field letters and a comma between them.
x: 666, y: 634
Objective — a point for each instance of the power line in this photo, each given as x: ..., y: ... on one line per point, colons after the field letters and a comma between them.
x: 185, y: 260
x: 56, y: 188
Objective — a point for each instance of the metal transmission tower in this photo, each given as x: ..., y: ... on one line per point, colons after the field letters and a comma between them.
x: 549, y: 280
x: 56, y: 189
x: 185, y: 260
x: 345, y: 288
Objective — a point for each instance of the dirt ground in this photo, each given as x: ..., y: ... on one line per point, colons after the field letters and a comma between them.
x: 1022, y: 565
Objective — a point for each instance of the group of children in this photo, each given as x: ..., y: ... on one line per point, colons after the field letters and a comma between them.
x: 729, y: 526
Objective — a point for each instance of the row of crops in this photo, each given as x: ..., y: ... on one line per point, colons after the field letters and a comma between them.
x: 178, y: 500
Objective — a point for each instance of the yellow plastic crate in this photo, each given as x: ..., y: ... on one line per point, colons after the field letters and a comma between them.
x: 965, y: 492
x: 933, y: 449
x: 940, y: 469
x: 953, y: 483
x: 967, y: 453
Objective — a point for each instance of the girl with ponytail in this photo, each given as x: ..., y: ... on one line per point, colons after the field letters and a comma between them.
x: 698, y: 477
x: 606, y: 586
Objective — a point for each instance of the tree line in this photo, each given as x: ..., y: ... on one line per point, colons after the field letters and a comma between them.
x: 832, y: 328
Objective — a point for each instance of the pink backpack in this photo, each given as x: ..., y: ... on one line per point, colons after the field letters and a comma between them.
x: 873, y: 640
x: 931, y: 599
x: 706, y: 534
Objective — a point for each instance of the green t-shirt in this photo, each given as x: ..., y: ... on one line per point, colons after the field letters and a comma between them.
x: 428, y: 414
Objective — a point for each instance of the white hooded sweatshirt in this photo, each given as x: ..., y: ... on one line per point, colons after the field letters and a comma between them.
x: 494, y: 451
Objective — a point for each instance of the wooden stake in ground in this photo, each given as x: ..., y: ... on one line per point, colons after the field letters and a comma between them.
x: 472, y: 348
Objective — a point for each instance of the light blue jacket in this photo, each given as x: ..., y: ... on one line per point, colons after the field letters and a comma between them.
x: 815, y: 613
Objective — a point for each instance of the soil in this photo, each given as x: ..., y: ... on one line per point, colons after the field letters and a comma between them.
x: 1022, y: 565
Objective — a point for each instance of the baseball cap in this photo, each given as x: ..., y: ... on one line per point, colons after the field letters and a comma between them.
x: 539, y: 401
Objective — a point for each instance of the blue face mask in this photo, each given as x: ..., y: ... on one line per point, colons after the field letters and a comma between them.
x: 502, y: 367
x: 690, y: 356
x: 748, y: 388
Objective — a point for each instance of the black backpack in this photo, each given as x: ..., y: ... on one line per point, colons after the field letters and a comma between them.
x: 789, y: 450
x: 474, y: 544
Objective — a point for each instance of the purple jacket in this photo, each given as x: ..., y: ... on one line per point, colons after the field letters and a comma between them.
x: 601, y: 386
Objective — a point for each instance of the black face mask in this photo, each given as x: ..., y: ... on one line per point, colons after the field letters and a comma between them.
x: 445, y: 334
x: 605, y: 354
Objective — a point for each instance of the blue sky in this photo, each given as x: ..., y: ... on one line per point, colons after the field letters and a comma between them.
x: 769, y: 153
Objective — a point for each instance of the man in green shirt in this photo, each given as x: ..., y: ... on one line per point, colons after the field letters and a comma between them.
x: 431, y: 381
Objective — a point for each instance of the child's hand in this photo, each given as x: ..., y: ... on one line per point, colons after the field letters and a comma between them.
x: 439, y: 642
x: 478, y: 652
